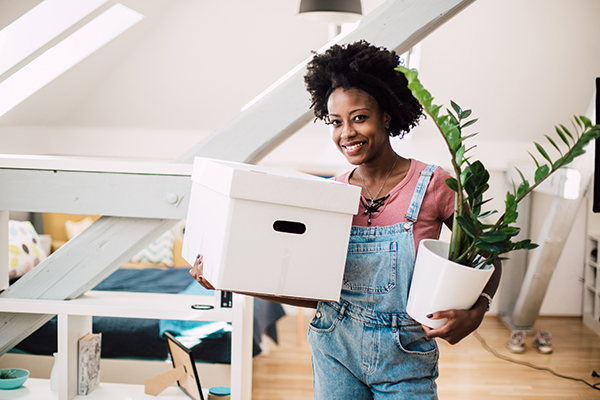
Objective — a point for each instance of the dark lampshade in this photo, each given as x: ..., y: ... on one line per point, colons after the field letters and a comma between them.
x: 334, y: 11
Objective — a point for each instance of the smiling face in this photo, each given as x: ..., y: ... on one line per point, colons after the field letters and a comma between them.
x: 359, y: 126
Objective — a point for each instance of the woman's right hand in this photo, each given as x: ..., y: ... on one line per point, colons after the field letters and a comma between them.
x: 197, y: 270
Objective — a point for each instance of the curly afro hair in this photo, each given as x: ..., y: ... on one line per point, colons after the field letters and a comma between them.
x: 369, y: 68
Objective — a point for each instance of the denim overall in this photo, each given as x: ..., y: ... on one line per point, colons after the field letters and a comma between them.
x: 366, y: 346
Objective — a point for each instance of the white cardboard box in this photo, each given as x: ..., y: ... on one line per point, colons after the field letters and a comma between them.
x: 268, y: 231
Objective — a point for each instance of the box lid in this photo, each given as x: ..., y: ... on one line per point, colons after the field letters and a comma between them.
x: 271, y: 185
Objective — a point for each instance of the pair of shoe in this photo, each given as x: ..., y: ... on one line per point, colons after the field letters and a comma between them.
x: 542, y: 342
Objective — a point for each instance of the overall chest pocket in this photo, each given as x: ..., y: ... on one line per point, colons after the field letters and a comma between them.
x: 371, y: 267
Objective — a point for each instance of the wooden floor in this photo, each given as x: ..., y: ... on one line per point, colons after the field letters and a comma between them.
x: 467, y: 370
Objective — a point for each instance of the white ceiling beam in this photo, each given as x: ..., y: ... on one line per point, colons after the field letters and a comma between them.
x: 114, y: 194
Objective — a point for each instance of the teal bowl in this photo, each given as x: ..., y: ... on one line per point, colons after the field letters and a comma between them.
x: 19, y: 376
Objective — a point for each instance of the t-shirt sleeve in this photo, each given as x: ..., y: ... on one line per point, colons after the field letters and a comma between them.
x: 444, y: 196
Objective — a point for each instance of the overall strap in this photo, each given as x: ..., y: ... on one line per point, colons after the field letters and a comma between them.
x: 417, y: 199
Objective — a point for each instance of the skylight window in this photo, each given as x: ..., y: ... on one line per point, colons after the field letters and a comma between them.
x: 38, y: 26
x: 65, y: 55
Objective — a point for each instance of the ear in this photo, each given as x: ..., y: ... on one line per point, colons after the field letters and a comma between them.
x: 387, y: 120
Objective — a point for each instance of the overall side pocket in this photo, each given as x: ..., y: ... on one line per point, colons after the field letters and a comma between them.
x: 412, y: 339
x: 325, y: 319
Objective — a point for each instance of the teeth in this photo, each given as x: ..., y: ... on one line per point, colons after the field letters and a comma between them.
x: 354, y: 146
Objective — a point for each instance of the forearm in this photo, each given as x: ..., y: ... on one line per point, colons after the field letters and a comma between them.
x: 286, y: 300
x: 482, y: 303
x: 492, y: 285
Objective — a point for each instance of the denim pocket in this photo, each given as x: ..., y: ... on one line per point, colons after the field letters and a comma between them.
x: 325, y: 319
x: 413, y: 340
x: 371, y: 267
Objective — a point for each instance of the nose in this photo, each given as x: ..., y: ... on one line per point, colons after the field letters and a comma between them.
x: 347, y: 132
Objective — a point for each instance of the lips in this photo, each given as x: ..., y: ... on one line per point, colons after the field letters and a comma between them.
x: 353, y: 147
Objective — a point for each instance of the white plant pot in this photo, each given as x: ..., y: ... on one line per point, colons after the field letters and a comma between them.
x: 439, y: 284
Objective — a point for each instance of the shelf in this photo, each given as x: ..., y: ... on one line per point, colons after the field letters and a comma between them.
x: 591, y: 287
x: 75, y: 320
x: 39, y: 389
x: 123, y: 305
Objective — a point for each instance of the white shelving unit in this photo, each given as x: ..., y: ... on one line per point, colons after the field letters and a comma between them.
x: 39, y: 389
x: 591, y: 289
x: 75, y: 320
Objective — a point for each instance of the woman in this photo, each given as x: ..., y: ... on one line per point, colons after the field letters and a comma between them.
x: 365, y: 346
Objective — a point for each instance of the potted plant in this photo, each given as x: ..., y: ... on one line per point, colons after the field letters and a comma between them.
x: 475, y: 244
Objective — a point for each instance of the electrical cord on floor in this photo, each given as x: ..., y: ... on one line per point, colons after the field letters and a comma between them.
x: 526, y: 364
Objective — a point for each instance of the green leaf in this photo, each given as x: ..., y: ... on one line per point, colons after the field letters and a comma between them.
x: 498, y: 247
x: 453, y: 119
x: 542, y: 152
x: 493, y: 236
x: 414, y: 87
x: 434, y: 111
x: 467, y: 226
x: 525, y: 244
x: 460, y: 153
x: 452, y: 184
x: 480, y: 203
x: 469, y: 137
x: 521, y: 175
x: 442, y: 121
x: 466, y: 113
x: 511, y: 230
x: 523, y: 188
x: 537, y: 164
x: 565, y: 130
x: 457, y: 108
x: 541, y: 172
x: 586, y: 122
x: 469, y: 123
x: 454, y: 138
x: 562, y: 136
x: 488, y: 213
x: 553, y: 144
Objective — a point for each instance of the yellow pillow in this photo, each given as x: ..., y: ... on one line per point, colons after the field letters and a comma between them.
x: 74, y: 228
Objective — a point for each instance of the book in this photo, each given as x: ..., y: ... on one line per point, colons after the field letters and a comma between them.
x: 88, y: 376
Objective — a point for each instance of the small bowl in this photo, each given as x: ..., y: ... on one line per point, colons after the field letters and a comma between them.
x: 19, y: 378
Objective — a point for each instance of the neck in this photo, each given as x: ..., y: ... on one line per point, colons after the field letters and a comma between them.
x: 377, y: 171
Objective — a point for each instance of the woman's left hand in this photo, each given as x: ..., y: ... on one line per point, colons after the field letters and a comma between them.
x: 197, y: 271
x: 461, y: 323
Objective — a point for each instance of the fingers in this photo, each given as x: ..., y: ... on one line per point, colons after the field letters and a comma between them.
x: 197, y: 271
x: 205, y: 284
x: 426, y: 329
x: 442, y: 314
x: 199, y: 263
x: 459, y: 325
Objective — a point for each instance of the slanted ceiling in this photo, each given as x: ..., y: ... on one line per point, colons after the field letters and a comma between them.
x: 190, y: 65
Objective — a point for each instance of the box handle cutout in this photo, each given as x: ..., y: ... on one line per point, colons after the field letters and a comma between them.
x: 297, y: 228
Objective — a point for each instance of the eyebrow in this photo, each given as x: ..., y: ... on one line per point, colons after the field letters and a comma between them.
x: 351, y: 112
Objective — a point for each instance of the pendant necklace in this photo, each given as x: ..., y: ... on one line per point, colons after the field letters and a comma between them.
x: 374, y: 203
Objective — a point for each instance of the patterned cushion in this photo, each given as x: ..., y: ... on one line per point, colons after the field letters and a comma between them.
x: 24, y: 248
x: 158, y: 252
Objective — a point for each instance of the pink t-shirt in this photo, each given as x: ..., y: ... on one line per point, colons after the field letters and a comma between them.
x: 437, y: 206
